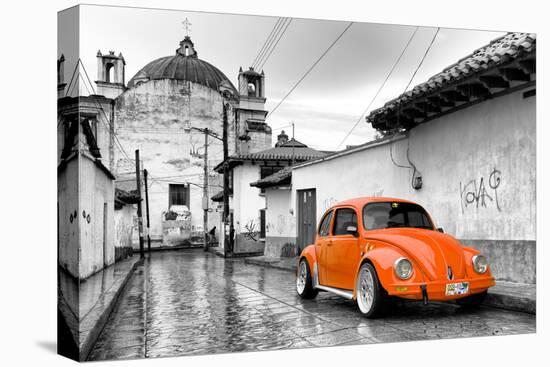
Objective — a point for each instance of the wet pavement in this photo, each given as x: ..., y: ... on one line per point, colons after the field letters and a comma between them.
x: 190, y: 302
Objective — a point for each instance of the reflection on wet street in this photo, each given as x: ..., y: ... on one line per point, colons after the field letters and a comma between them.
x: 190, y: 302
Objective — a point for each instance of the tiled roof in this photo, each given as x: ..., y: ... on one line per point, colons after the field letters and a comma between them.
x: 217, y: 196
x: 280, y: 177
x: 507, y: 59
x: 128, y: 197
x: 283, y: 153
x: 293, y: 143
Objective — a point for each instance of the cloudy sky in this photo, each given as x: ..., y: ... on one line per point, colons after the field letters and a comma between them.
x: 327, y: 103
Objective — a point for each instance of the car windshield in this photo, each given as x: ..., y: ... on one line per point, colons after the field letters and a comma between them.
x: 395, y: 214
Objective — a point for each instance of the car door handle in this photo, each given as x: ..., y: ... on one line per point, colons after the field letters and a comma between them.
x: 329, y: 243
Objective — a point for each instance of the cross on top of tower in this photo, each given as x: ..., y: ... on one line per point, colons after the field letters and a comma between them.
x: 187, y: 25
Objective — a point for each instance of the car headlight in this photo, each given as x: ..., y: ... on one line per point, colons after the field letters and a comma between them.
x: 479, y: 262
x: 403, y: 268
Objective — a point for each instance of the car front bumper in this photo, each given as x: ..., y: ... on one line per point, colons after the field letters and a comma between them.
x: 436, y: 290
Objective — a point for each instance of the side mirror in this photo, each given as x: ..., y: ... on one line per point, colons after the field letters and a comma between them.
x: 352, y: 230
x: 440, y: 230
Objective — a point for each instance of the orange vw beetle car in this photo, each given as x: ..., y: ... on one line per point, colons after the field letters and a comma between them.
x: 372, y: 248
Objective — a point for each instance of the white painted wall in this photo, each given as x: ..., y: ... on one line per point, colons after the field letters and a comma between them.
x: 451, y: 152
x: 95, y: 189
x: 68, y: 216
x: 279, y: 221
x: 247, y: 200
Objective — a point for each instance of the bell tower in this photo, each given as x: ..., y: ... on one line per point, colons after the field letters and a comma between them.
x: 110, y: 74
x: 254, y: 133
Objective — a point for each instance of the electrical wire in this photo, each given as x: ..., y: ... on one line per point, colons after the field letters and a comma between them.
x: 380, y: 88
x: 422, y: 60
x: 261, y: 64
x: 69, y: 86
x: 110, y: 127
x: 268, y: 40
x: 107, y: 125
x: 309, y: 70
x: 411, y: 164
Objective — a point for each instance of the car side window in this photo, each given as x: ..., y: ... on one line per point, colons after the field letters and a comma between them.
x: 345, y: 217
x: 324, y: 227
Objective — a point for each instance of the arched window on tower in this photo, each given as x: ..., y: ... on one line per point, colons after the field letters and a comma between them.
x: 109, y: 73
x: 251, y: 90
x: 186, y: 50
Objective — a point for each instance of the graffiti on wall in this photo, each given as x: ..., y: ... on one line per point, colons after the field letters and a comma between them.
x: 481, y: 192
x: 250, y: 231
x: 327, y: 203
x: 281, y: 224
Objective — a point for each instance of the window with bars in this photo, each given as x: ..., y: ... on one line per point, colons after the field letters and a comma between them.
x: 178, y: 194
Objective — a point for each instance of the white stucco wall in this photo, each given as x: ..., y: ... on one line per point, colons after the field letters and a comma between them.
x: 493, y: 141
x: 247, y: 200
x: 279, y: 221
x: 95, y: 189
x: 68, y: 217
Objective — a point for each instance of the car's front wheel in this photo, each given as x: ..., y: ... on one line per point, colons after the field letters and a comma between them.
x: 371, y: 297
x: 304, y: 282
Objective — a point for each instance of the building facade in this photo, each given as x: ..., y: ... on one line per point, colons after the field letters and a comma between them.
x: 462, y: 145
x: 247, y: 218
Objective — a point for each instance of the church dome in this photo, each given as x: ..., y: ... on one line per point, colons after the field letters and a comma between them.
x: 185, y: 66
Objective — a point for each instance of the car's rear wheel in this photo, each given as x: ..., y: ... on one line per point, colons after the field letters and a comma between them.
x: 473, y: 301
x: 371, y: 297
x: 304, y: 283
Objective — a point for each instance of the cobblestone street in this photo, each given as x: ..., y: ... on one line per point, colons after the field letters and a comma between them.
x: 190, y: 302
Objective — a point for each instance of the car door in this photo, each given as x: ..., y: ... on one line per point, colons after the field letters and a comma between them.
x: 343, y: 250
x: 322, y: 243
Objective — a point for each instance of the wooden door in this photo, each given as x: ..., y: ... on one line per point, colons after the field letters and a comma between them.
x: 307, y: 217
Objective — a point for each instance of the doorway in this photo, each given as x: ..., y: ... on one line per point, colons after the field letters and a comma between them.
x: 307, y: 217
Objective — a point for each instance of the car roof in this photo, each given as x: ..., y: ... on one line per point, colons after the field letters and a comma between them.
x: 361, y: 201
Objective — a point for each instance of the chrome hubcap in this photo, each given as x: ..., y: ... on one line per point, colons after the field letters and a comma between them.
x: 301, y: 278
x: 365, y: 290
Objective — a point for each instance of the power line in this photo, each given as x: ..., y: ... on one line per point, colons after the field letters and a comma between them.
x: 69, y: 86
x: 107, y: 125
x: 111, y: 128
x: 423, y: 58
x: 281, y: 34
x: 280, y: 127
x: 310, y: 69
x: 380, y: 88
x: 266, y: 41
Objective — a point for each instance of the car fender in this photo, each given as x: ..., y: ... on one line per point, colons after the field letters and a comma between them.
x: 469, y: 253
x: 310, y: 255
x: 382, y: 256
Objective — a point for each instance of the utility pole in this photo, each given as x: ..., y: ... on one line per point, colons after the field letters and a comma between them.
x: 140, y: 219
x: 293, y: 143
x: 145, y: 174
x: 227, y: 245
x: 205, y: 190
x: 227, y: 92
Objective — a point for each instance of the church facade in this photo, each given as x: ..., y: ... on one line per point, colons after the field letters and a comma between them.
x: 159, y: 111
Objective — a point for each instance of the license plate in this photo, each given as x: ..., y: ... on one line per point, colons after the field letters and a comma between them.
x: 455, y: 289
